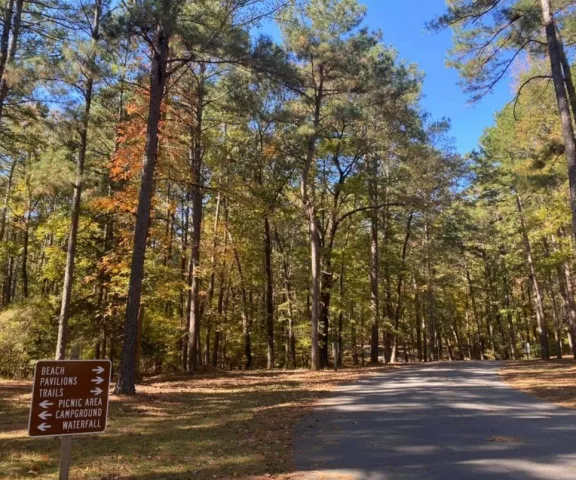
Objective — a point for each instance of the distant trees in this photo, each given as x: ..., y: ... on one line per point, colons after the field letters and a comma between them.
x: 491, y: 35
x: 187, y: 195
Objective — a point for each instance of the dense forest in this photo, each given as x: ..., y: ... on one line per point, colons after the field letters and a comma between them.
x: 179, y: 190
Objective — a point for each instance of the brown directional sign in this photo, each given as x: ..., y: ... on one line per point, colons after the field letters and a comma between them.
x: 70, y: 397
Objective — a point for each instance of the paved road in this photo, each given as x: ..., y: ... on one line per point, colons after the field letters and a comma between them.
x: 447, y: 421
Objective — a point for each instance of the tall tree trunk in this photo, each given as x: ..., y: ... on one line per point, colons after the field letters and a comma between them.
x: 7, y: 194
x: 494, y: 313
x: 216, y: 348
x: 374, y: 262
x: 550, y: 287
x: 314, y: 294
x: 477, y: 318
x: 399, y: 303
x: 556, y: 318
x: 159, y: 55
x: 433, y: 350
x: 353, y: 334
x: 7, y: 19
x: 566, y: 290
x: 77, y: 196
x: 308, y: 194
x: 186, y: 276
x: 325, y: 299
x: 362, y: 336
x: 11, y: 29
x: 538, y: 304
x: 418, y: 319
x: 567, y: 72
x: 9, y: 267
x: 7, y: 287
x: 196, y: 154
x: 555, y: 53
x: 218, y: 342
x: 245, y: 311
x: 269, y: 293
x: 189, y: 270
x: 25, y: 245
x: 512, y: 335
x: 339, y: 339
x: 208, y: 303
x: 138, y: 354
x: 526, y: 302
x: 388, y: 308
x: 289, y: 301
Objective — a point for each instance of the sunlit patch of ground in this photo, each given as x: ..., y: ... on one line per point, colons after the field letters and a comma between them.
x: 211, y: 425
x: 554, y: 381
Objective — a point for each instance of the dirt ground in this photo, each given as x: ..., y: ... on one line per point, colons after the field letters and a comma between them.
x: 210, y: 425
x: 554, y: 381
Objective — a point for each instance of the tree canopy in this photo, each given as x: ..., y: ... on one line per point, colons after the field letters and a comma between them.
x: 181, y: 191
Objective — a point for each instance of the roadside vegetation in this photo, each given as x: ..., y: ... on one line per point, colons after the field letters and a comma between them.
x: 214, y: 425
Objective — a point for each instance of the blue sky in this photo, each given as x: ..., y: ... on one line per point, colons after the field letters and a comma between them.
x: 403, y: 23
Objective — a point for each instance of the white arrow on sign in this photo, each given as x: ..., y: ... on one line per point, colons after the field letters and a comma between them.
x: 98, y: 380
x: 98, y: 370
x: 44, y: 415
x: 43, y: 427
x: 46, y: 404
x: 96, y: 391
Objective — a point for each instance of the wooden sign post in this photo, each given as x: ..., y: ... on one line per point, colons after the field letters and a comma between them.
x: 70, y: 397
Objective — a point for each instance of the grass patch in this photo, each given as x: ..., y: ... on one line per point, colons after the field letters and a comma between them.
x: 553, y: 381
x: 210, y: 425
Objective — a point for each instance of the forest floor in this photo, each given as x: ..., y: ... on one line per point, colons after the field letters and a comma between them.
x: 553, y: 381
x: 212, y: 425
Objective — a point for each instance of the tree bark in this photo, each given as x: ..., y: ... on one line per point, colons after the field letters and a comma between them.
x: 269, y: 294
x: 186, y: 275
x: 418, y: 320
x: 208, y: 303
x: 77, y: 196
x: 159, y: 55
x: 216, y: 348
x: 196, y: 154
x: 477, y: 318
x: 12, y: 23
x: 308, y: 195
x: 7, y: 193
x: 556, y: 318
x: 433, y: 350
x: 289, y: 301
x: 566, y: 290
x: 567, y: 72
x: 538, y: 304
x: 138, y: 354
x: 399, y: 302
x: 325, y: 300
x: 26, y: 242
x: 374, y: 263
x: 555, y: 54
x: 245, y: 312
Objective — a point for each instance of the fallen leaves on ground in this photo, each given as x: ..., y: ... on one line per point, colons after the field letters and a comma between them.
x: 553, y: 381
x: 213, y: 424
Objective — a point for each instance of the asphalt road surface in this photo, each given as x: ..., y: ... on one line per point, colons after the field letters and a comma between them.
x: 446, y: 421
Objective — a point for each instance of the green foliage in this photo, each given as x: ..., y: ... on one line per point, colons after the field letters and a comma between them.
x: 27, y: 334
x: 452, y: 254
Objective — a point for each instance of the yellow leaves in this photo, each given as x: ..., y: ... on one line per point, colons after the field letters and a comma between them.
x: 270, y: 151
x: 132, y: 108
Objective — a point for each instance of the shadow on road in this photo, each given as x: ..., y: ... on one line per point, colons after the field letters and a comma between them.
x: 443, y: 421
